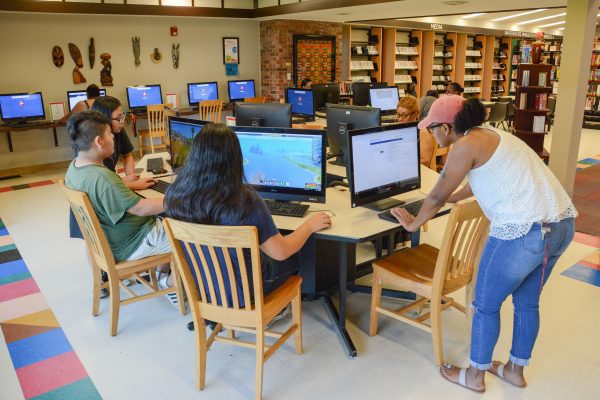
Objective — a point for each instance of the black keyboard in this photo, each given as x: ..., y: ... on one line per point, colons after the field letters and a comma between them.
x: 287, y: 209
x: 412, y: 208
x: 154, y: 164
x: 161, y: 186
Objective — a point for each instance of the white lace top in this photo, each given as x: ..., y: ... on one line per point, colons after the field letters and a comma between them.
x: 515, y: 189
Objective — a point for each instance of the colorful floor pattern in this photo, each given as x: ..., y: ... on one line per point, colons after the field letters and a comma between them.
x: 588, y: 162
x: 26, y: 186
x: 46, y: 364
x: 586, y: 270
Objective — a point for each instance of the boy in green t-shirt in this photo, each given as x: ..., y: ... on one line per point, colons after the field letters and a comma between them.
x: 128, y: 220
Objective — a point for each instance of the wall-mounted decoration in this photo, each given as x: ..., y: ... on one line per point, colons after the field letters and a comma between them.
x: 58, y: 57
x: 175, y: 55
x: 156, y: 56
x: 106, y: 78
x: 76, y: 56
x: 231, y: 50
x: 314, y: 58
x: 135, y: 42
x: 92, y: 52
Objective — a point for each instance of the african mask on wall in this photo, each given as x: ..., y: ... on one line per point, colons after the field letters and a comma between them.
x: 58, y: 57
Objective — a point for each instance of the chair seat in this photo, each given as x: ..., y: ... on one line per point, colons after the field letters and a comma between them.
x: 128, y: 267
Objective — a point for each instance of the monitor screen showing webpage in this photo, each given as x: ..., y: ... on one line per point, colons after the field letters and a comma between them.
x: 21, y: 107
x: 75, y: 96
x: 384, y: 98
x: 284, y: 164
x: 384, y: 162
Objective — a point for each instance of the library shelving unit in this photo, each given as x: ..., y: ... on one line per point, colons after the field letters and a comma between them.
x: 443, y: 64
x: 473, y: 67
x: 552, y: 55
x: 402, y: 58
x: 365, y: 54
x: 499, y: 69
x: 515, y: 60
x: 531, y: 105
x: 591, y: 116
x: 487, y: 59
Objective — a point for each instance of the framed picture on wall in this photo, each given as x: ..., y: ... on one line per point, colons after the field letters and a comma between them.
x: 231, y: 50
x: 314, y: 58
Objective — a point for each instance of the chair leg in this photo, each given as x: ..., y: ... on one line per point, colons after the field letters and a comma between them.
x: 260, y: 352
x: 297, y: 320
x: 200, y: 333
x: 178, y: 287
x: 375, y: 302
x: 436, y: 330
x: 96, y: 286
x: 469, y: 306
x: 115, y: 300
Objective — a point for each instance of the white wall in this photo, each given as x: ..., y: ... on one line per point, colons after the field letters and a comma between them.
x: 26, y: 41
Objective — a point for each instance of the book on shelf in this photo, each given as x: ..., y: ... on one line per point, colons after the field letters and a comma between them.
x: 542, y: 76
x: 523, y: 101
x: 526, y: 54
x: 539, y: 123
x: 525, y: 78
x: 541, y: 101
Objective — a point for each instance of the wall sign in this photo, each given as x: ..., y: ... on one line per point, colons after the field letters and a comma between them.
x: 437, y: 27
x: 231, y: 50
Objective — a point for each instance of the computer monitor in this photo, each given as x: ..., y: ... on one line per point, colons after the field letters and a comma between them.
x: 274, y: 115
x: 201, y: 91
x: 341, y: 119
x: 325, y: 93
x: 240, y: 90
x: 384, y: 98
x: 139, y: 97
x: 383, y: 162
x: 284, y: 164
x: 22, y: 107
x: 75, y: 96
x: 182, y: 132
x: 360, y: 92
x: 302, y: 102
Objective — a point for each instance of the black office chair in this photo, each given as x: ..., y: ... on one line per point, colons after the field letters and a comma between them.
x: 510, y: 110
x: 497, y: 114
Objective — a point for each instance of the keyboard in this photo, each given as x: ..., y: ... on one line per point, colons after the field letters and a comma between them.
x: 161, y: 186
x: 412, y: 208
x: 154, y: 164
x: 287, y: 209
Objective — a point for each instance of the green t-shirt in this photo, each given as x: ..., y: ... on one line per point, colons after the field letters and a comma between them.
x: 111, y: 199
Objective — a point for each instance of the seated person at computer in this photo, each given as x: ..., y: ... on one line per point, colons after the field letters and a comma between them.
x: 306, y: 83
x: 408, y: 111
x: 211, y: 189
x: 455, y: 88
x: 92, y: 92
x: 128, y: 220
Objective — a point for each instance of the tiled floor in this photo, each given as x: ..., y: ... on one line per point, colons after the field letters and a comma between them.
x: 153, y: 355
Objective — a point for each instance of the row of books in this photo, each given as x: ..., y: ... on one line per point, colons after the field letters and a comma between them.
x: 542, y: 78
x: 441, y: 78
x: 499, y: 66
x: 442, y: 67
x: 403, y: 64
x: 593, y: 89
x: 472, y: 89
x: 540, y: 101
x: 402, y: 79
x: 596, y: 59
x: 357, y: 65
x: 498, y: 77
x: 473, y: 53
x: 516, y: 59
x: 594, y: 75
x: 548, y: 46
x: 447, y: 54
x: 438, y: 87
x: 591, y: 103
x: 406, y: 50
x: 470, y: 78
x: 472, y: 65
x: 361, y: 78
x: 364, y: 50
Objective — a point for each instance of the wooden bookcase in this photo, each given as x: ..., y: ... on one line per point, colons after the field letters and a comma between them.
x: 501, y: 66
x: 487, y: 59
x: 401, y: 58
x: 442, y: 60
x: 591, y: 117
x: 527, y: 104
x: 365, y: 53
x: 474, y: 56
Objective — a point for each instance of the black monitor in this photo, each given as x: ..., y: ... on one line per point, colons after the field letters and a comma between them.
x: 139, y: 97
x: 201, y: 91
x: 325, y: 93
x: 274, y: 115
x: 21, y: 107
x: 240, y: 90
x: 302, y: 102
x: 182, y: 132
x: 383, y: 162
x: 341, y: 119
x: 360, y: 92
x: 75, y: 96
x: 384, y: 98
x: 284, y: 164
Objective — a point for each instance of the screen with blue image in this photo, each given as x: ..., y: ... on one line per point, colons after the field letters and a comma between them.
x: 301, y: 101
x: 182, y: 132
x: 283, y: 160
x: 22, y: 106
x: 198, y: 92
x: 142, y: 96
x: 75, y: 96
x: 239, y: 90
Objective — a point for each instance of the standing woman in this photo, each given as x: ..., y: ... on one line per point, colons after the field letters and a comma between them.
x: 532, y: 224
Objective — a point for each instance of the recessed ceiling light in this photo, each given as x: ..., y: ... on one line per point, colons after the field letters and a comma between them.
x: 472, y: 15
x: 518, y: 15
x: 561, y: 29
x: 531, y: 21
x: 552, y: 24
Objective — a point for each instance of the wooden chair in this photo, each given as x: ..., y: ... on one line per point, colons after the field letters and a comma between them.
x: 157, y: 129
x: 236, y: 312
x: 440, y: 152
x: 433, y: 274
x: 261, y: 99
x: 210, y: 110
x: 102, y: 260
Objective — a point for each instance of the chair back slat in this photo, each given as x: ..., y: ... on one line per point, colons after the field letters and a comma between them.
x: 437, y: 152
x: 156, y: 118
x: 244, y: 275
x: 232, y: 281
x: 458, y: 248
x: 208, y: 280
x: 188, y: 249
x: 210, y: 110
x: 216, y: 263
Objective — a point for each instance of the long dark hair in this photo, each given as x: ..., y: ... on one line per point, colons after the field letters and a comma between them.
x: 106, y: 105
x: 211, y: 186
x: 472, y: 114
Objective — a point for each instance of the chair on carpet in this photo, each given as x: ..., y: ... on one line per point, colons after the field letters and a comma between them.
x: 226, y: 294
x: 210, y: 110
x: 433, y: 274
x: 157, y: 129
x: 102, y: 260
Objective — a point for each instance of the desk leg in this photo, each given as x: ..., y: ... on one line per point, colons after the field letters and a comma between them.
x: 55, y: 137
x: 134, y: 124
x: 9, y: 139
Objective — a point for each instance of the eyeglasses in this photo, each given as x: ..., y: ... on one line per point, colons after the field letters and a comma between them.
x: 431, y: 127
x: 404, y: 115
x: 120, y: 119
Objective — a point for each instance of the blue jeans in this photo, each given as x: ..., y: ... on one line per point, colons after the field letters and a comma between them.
x: 514, y: 267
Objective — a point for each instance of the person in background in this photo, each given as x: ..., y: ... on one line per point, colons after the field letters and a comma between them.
x: 408, y: 111
x: 306, y: 83
x: 531, y: 225
x: 425, y: 103
x: 455, y: 88
x: 92, y: 92
x: 411, y: 89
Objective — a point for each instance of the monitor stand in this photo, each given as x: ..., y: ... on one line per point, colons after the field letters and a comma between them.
x: 338, y: 160
x: 384, y: 204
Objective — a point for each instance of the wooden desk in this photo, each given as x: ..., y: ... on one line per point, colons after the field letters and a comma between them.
x: 30, y: 127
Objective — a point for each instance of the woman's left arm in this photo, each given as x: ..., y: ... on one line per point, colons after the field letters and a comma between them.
x: 128, y: 163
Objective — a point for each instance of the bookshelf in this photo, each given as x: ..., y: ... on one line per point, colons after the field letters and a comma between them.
x: 499, y: 70
x: 405, y: 64
x: 532, y: 89
x: 591, y: 116
x: 515, y: 60
x: 552, y: 55
x: 365, y: 54
x: 443, y: 61
x: 473, y: 66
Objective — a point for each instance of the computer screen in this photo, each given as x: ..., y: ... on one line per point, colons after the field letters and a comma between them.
x: 383, y: 162
x: 301, y: 101
x: 384, y: 98
x: 263, y: 114
x: 75, y: 96
x: 139, y: 97
x: 240, y: 90
x: 201, y: 91
x: 341, y: 119
x: 325, y: 93
x: 284, y: 164
x: 182, y: 132
x: 21, y: 107
x: 360, y: 92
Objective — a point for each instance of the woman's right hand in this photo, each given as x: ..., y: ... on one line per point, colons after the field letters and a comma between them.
x: 318, y: 221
